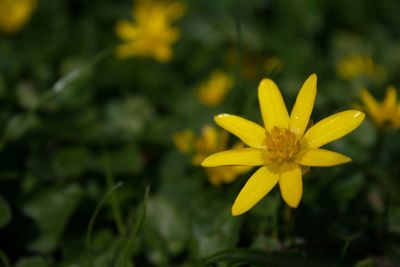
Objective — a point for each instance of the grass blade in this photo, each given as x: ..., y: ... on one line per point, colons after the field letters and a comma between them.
x: 136, y: 228
x: 93, y: 219
x: 65, y: 82
x: 114, y: 202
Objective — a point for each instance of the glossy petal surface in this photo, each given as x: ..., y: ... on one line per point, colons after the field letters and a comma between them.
x: 321, y: 158
x: 244, y: 156
x: 303, y: 106
x: 249, y: 132
x: 332, y: 128
x: 272, y: 106
x: 259, y: 184
x: 291, y: 184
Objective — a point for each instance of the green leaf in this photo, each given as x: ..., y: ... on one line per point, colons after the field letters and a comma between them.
x: 32, y: 262
x: 19, y: 125
x: 394, y: 219
x: 166, y: 229
x: 5, y: 212
x: 2, y: 86
x: 126, y: 160
x: 258, y: 258
x: 27, y: 96
x: 348, y: 188
x: 71, y: 161
x: 214, y: 231
x: 365, y: 263
x: 127, y: 118
x: 4, y: 259
x: 51, y: 210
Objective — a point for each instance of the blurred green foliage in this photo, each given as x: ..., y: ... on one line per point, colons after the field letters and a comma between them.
x: 77, y: 120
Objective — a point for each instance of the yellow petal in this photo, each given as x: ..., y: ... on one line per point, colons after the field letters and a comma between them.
x: 175, y: 10
x: 332, y: 128
x: 303, y: 106
x: 249, y: 132
x: 259, y: 184
x: 214, y: 90
x: 126, y: 30
x: 291, y: 184
x: 127, y: 50
x: 320, y: 158
x: 390, y: 97
x: 209, y: 138
x: 370, y: 103
x: 243, y: 156
x: 162, y: 53
x: 15, y: 14
x: 272, y: 106
x: 184, y: 140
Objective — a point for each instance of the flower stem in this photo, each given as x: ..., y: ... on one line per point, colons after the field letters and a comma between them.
x: 235, y: 96
x: 385, y: 180
x: 289, y: 219
x: 239, y: 47
x: 388, y: 203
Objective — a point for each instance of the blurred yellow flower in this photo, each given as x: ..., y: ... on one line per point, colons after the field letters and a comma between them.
x: 356, y: 66
x: 150, y: 34
x: 184, y: 141
x: 14, y: 14
x: 283, y: 147
x: 213, y: 91
x: 386, y: 114
x: 253, y: 65
x: 210, y: 141
x: 273, y: 65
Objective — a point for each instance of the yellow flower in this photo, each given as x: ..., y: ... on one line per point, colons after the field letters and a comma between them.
x: 210, y: 141
x: 273, y: 65
x: 283, y: 148
x: 253, y: 66
x: 356, y: 66
x: 184, y: 141
x: 213, y: 92
x: 386, y: 114
x: 14, y: 14
x: 151, y: 33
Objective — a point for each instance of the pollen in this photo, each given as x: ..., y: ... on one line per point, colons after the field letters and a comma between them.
x: 280, y: 145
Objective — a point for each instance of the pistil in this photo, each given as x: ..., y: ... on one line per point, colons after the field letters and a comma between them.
x: 281, y: 145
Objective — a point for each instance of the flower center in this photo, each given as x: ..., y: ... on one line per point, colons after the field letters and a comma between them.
x: 280, y: 145
x: 389, y: 118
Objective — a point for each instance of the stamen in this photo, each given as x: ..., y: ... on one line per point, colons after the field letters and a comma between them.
x: 281, y: 145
